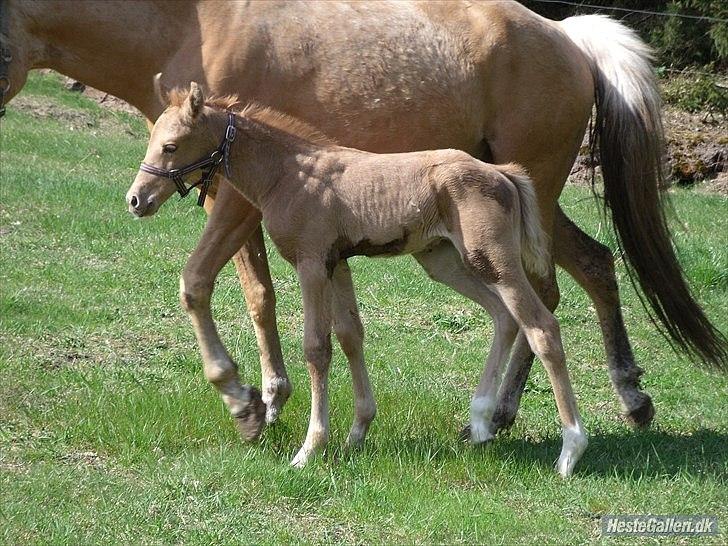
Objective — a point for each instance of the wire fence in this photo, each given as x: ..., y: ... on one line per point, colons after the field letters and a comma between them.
x: 643, y: 11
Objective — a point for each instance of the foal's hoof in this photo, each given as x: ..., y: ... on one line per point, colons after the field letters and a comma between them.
x: 464, y: 434
x: 483, y: 437
x: 251, y: 419
x: 642, y: 415
x: 276, y: 393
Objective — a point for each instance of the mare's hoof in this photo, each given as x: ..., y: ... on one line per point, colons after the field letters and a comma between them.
x: 502, y: 420
x: 642, y: 415
x: 251, y: 419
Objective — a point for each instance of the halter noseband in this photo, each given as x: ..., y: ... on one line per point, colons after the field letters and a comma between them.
x: 208, y: 166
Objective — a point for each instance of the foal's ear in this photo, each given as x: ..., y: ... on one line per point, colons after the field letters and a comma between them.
x: 161, y: 90
x: 193, y: 103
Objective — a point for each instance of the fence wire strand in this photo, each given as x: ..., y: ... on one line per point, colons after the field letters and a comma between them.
x: 647, y: 12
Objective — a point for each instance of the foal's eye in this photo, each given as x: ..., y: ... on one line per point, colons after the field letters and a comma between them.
x: 169, y: 148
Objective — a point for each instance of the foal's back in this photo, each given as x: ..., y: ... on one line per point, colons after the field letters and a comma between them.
x: 375, y: 204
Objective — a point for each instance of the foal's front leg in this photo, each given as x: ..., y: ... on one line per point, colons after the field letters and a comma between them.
x: 251, y: 264
x: 317, y: 297
x: 350, y: 333
x: 221, y: 238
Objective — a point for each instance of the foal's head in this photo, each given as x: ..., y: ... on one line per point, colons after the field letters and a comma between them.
x: 182, y: 136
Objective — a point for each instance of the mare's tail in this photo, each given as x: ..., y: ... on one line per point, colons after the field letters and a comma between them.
x: 630, y: 137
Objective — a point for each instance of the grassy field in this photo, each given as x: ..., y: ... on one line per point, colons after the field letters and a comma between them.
x: 109, y: 431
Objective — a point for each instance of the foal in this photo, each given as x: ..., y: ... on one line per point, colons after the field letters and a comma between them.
x: 463, y: 220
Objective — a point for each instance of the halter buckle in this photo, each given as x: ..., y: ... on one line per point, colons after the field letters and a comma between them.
x: 230, y: 133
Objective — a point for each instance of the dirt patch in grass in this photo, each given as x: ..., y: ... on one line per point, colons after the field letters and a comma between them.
x: 75, y: 119
x: 83, y: 458
x: 110, y: 101
x: 46, y: 108
x: 101, y: 98
x: 718, y: 185
x: 697, y: 152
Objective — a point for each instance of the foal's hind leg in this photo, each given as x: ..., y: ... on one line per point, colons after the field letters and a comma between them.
x: 514, y: 380
x: 444, y: 264
x: 543, y: 334
x: 350, y: 333
x: 495, y: 258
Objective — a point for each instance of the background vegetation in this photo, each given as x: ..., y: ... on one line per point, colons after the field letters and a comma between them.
x: 692, y: 51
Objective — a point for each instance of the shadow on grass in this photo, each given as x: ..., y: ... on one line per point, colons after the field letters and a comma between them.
x: 649, y: 453
x: 625, y: 455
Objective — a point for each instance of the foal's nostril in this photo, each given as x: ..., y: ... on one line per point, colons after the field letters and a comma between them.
x: 134, y: 201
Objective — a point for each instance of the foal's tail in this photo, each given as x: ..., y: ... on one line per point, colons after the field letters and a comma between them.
x: 534, y: 242
x: 630, y: 136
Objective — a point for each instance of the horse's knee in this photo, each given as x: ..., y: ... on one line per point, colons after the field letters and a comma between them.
x: 366, y: 410
x: 317, y: 351
x: 350, y: 337
x: 546, y: 342
x: 220, y: 372
x: 193, y: 295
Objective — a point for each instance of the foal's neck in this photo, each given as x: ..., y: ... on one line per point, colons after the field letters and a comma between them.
x: 261, y: 156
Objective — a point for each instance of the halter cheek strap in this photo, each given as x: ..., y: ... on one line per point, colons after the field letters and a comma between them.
x: 208, y: 166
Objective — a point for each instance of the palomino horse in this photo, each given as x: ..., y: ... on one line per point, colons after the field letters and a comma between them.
x: 490, y: 78
x: 323, y: 203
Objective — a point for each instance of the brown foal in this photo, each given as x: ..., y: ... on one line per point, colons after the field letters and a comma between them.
x: 322, y: 203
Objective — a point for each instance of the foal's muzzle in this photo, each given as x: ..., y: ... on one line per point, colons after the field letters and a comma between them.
x: 141, y: 206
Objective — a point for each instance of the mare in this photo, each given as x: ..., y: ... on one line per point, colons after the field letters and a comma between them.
x: 490, y: 78
x: 322, y: 203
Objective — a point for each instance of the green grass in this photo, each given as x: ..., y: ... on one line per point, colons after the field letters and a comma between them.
x: 109, y: 432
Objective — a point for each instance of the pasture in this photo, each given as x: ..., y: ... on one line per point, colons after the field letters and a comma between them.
x: 109, y: 431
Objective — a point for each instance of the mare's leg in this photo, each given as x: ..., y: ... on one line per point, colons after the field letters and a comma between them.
x: 592, y: 266
x: 350, y: 333
x: 221, y: 238
x: 316, y: 292
x: 444, y: 264
x: 251, y: 263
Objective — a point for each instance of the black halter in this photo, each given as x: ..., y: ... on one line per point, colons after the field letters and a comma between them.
x: 208, y: 166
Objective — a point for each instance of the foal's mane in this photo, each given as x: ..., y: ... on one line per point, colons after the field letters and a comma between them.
x: 260, y: 113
